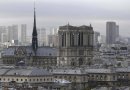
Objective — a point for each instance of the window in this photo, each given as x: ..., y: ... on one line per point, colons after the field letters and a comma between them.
x: 105, y: 77
x: 80, y: 39
x: 71, y: 39
x: 47, y: 79
x: 64, y: 76
x: 17, y: 80
x: 92, y: 75
x: 60, y: 77
x: 81, y: 52
x: 21, y: 79
x: 88, y: 76
x: 84, y: 78
x: 101, y: 77
x: 123, y: 76
x: 114, y: 77
x: 80, y: 61
x: 74, y: 77
x: 64, y: 39
x: 97, y: 77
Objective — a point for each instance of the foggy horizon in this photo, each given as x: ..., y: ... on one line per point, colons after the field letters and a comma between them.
x: 55, y: 13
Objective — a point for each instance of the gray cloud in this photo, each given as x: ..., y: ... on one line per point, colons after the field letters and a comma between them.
x: 58, y: 12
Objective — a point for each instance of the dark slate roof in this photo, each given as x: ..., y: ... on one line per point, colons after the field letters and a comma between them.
x: 27, y: 72
x: 40, y: 72
x: 41, y: 51
x: 47, y: 51
x: 3, y: 71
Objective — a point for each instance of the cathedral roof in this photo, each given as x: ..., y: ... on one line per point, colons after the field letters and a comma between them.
x: 70, y: 27
x: 85, y: 27
x: 41, y: 51
x: 67, y: 27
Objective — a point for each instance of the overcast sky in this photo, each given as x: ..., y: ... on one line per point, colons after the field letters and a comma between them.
x: 53, y: 13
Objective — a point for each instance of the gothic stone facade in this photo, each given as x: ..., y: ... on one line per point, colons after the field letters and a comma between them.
x: 75, y: 45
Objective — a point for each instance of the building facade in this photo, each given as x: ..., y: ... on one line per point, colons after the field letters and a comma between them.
x: 53, y: 40
x: 42, y: 37
x: 4, y: 37
x: 13, y: 33
x: 3, y: 31
x: 96, y: 41
x: 110, y: 32
x: 117, y: 31
x: 23, y: 33
x: 75, y: 45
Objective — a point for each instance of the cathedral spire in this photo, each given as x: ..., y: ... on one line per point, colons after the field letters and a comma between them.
x: 34, y: 34
x: 34, y: 24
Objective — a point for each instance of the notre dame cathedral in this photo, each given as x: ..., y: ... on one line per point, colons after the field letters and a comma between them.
x: 75, y: 45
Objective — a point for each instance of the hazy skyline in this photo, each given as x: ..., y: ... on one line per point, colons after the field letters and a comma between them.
x: 53, y: 13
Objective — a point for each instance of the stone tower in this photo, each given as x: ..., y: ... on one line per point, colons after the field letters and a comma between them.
x: 75, y: 45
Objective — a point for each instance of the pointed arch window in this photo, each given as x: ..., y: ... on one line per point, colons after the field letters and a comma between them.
x: 80, y: 39
x: 63, y: 39
x: 71, y: 39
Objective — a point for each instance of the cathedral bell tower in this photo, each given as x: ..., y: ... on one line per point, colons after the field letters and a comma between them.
x: 75, y: 46
x: 34, y: 34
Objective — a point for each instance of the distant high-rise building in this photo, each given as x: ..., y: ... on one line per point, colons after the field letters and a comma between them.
x: 50, y: 32
x: 54, y: 31
x: 15, y: 32
x: 102, y: 39
x: 96, y: 35
x: 52, y: 40
x: 41, y: 37
x: 2, y: 30
x: 117, y: 31
x: 28, y: 40
x: 12, y: 33
x: 128, y: 40
x: 4, y: 37
x: 49, y: 40
x: 23, y: 33
x: 111, y: 32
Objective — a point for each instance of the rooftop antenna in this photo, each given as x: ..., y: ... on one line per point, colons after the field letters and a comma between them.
x: 34, y: 5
